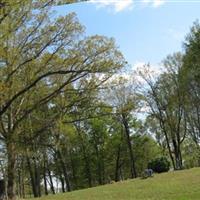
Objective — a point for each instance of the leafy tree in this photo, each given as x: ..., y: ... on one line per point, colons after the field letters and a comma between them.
x: 124, y: 100
x: 165, y: 100
x: 41, y: 57
x: 190, y: 74
x: 145, y: 150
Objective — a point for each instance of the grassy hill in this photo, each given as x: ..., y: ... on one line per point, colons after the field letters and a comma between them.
x: 180, y: 185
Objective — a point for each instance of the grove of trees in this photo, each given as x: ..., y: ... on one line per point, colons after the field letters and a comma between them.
x: 69, y: 116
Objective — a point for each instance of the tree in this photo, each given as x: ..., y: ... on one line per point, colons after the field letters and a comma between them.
x: 190, y: 74
x: 165, y: 100
x: 41, y: 57
x: 124, y: 101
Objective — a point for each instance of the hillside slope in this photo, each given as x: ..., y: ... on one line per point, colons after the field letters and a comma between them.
x: 180, y: 185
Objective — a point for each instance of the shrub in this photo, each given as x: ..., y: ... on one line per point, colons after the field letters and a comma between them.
x: 159, y: 165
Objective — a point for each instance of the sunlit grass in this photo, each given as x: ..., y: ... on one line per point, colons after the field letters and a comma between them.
x: 179, y: 185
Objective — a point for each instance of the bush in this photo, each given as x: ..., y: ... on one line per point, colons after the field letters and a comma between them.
x: 159, y: 165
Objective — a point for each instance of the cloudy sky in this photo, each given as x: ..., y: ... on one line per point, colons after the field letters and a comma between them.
x: 145, y: 30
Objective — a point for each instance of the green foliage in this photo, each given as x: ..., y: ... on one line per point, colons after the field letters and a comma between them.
x: 145, y: 150
x: 159, y: 165
x: 60, y: 116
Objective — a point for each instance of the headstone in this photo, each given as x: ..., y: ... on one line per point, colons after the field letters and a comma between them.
x: 149, y: 172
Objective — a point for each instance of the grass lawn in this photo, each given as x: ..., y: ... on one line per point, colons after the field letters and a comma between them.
x: 180, y: 185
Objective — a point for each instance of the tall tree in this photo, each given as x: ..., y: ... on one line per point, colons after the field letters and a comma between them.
x: 124, y: 100
x: 190, y: 74
x: 165, y: 100
x: 40, y: 57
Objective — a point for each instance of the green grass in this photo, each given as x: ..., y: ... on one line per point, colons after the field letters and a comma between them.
x: 179, y: 185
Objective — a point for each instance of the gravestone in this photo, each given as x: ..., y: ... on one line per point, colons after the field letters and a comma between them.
x: 2, y: 189
x: 147, y: 173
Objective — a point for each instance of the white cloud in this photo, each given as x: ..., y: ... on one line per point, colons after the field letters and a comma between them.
x: 138, y: 64
x: 118, y: 5
x: 154, y: 3
x: 156, y: 68
x: 121, y: 5
x: 158, y: 3
x: 153, y: 69
x: 177, y: 35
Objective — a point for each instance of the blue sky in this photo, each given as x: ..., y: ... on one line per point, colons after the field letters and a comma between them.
x: 145, y: 30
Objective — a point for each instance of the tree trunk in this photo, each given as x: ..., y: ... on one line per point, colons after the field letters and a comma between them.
x: 73, y: 167
x: 198, y: 158
x: 177, y: 154
x: 132, y: 159
x: 60, y: 173
x: 51, y: 181
x: 62, y: 182
x: 11, y: 171
x: 23, y: 185
x: 117, y: 167
x: 45, y: 178
x: 99, y: 168
x: 99, y: 160
x: 88, y: 173
x: 20, y: 183
x: 87, y: 165
x: 31, y: 176
x: 162, y: 125
x: 177, y: 158
x: 37, y: 178
x: 68, y: 187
